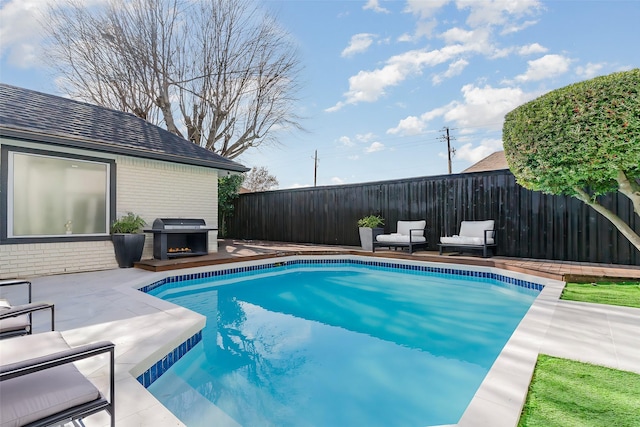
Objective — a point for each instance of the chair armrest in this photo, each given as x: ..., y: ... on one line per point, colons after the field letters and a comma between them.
x: 485, y: 236
x: 10, y: 282
x: 17, y: 310
x: 29, y: 366
x: 13, y: 282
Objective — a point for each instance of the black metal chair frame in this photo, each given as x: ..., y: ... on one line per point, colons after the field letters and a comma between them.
x: 410, y: 244
x: 462, y: 247
x: 28, y: 309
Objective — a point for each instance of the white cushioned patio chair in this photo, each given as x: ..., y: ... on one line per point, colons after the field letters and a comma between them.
x: 40, y: 385
x: 473, y: 235
x: 17, y: 319
x: 409, y: 234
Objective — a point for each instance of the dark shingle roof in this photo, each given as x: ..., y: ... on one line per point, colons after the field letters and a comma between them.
x: 36, y: 116
x: 495, y: 161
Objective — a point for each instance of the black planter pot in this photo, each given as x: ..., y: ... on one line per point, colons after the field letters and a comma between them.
x: 128, y: 248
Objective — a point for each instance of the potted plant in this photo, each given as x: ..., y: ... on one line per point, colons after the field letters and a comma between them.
x: 370, y: 227
x: 128, y: 242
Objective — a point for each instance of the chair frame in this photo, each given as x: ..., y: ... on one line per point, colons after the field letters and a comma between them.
x: 484, y: 247
x: 28, y: 309
x: 26, y: 367
x: 410, y: 244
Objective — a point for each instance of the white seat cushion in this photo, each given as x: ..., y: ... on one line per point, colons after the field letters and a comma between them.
x: 471, y: 233
x: 476, y: 228
x: 399, y: 238
x: 35, y: 396
x: 462, y: 240
x: 417, y: 227
x: 17, y: 323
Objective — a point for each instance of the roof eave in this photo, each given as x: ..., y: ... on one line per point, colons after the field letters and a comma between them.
x: 81, y: 143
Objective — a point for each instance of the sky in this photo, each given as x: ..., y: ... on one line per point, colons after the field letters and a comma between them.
x: 381, y: 80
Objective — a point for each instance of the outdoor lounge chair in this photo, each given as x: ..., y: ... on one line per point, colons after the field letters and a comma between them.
x: 17, y: 320
x: 410, y: 234
x: 40, y: 386
x: 473, y: 235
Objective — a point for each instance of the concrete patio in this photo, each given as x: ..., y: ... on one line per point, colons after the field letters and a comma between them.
x: 106, y: 305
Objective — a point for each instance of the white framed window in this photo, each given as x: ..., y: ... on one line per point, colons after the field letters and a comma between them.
x: 57, y: 196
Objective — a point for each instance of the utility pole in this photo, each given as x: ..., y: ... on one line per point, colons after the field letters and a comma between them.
x: 315, y: 168
x: 450, y: 151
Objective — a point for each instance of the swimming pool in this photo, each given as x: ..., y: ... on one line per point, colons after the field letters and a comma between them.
x: 406, y: 347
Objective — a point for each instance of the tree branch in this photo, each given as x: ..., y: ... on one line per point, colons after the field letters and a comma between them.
x: 629, y: 188
x: 625, y: 229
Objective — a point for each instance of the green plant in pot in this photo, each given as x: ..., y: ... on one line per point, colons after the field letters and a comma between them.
x: 369, y: 227
x: 128, y: 241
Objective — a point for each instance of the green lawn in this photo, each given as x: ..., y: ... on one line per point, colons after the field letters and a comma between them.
x: 623, y: 293
x: 565, y: 393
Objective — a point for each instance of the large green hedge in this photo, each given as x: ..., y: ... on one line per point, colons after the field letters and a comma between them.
x: 578, y: 137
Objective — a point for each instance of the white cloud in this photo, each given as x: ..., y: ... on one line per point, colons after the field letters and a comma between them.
x: 369, y: 86
x: 545, y: 67
x: 365, y: 137
x: 497, y: 12
x: 424, y: 9
x: 482, y: 107
x: 376, y: 146
x: 337, y: 181
x: 336, y: 107
x: 485, y: 106
x: 375, y: 6
x: 359, y: 43
x: 406, y: 37
x: 296, y: 185
x: 409, y: 126
x: 455, y: 69
x: 422, y: 29
x: 346, y: 141
x: 438, y: 112
x: 474, y: 154
x: 354, y: 157
x: 478, y: 40
x: 21, y: 32
x: 590, y: 70
x: 532, y: 49
x: 514, y: 28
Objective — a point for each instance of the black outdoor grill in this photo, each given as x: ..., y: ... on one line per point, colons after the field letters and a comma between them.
x: 179, y: 237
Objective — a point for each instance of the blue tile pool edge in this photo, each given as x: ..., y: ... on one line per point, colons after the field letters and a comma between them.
x: 425, y: 268
x: 161, y: 366
x: 149, y: 376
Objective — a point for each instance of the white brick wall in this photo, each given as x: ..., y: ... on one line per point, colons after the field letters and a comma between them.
x: 42, y: 259
x: 154, y: 189
x: 150, y: 188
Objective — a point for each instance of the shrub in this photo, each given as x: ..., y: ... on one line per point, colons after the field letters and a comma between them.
x: 371, y: 221
x: 129, y: 224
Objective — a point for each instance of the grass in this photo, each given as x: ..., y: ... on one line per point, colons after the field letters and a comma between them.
x: 623, y: 293
x: 565, y: 393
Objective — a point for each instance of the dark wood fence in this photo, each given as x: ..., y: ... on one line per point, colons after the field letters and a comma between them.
x: 529, y: 224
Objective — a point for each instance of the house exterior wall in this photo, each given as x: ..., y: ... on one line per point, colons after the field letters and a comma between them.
x: 149, y: 188
x: 155, y: 189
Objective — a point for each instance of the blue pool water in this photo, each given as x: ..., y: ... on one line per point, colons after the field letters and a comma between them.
x: 338, y: 346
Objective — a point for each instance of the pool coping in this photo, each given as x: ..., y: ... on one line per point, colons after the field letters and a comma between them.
x: 497, y: 402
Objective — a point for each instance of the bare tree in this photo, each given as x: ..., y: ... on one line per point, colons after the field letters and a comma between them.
x: 222, y: 74
x: 259, y: 179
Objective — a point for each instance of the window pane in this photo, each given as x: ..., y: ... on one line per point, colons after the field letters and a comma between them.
x: 56, y: 196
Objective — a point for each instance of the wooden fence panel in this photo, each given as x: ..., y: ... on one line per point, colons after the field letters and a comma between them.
x: 529, y: 224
